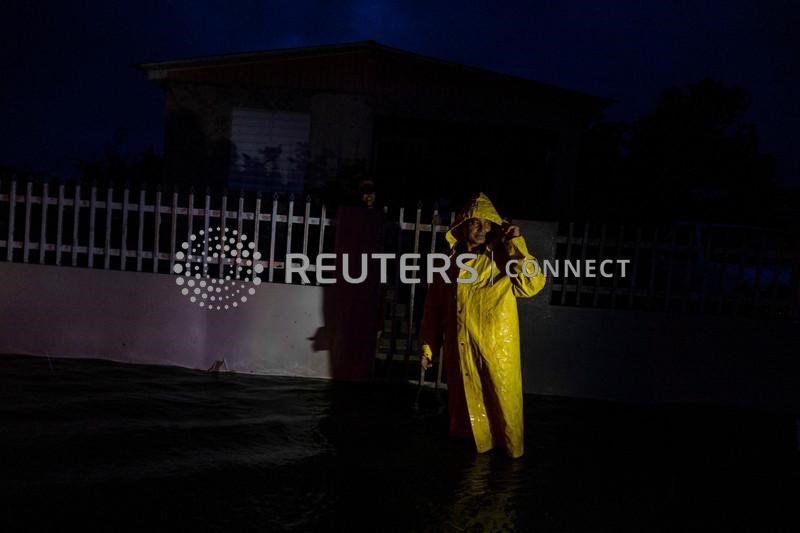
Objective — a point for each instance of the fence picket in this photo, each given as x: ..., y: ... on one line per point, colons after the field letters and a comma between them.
x: 173, y: 229
x: 109, y: 219
x: 76, y: 207
x: 26, y: 244
x: 123, y: 244
x: 157, y: 229
x: 43, y: 223
x: 60, y: 223
x: 140, y: 241
x: 273, y: 227
x: 12, y: 202
x: 92, y: 214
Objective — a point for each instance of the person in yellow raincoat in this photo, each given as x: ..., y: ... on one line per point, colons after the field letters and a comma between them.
x: 479, y: 326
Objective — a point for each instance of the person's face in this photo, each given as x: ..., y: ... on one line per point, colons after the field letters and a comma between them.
x: 475, y: 231
x: 368, y: 199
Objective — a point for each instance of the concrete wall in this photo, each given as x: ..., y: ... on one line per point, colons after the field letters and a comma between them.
x: 578, y: 352
x: 654, y: 356
x: 142, y: 318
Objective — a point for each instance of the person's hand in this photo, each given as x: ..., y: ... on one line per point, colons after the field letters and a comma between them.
x: 425, y: 362
x: 507, y: 231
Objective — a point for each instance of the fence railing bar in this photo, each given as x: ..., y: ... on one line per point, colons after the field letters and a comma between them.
x: 26, y: 246
x: 43, y: 224
x: 75, y: 221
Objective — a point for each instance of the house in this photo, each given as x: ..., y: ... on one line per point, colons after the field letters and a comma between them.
x: 316, y: 118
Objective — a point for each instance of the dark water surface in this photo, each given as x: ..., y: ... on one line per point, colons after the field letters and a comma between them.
x: 93, y: 445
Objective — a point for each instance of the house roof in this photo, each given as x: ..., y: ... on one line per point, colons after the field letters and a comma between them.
x: 161, y: 70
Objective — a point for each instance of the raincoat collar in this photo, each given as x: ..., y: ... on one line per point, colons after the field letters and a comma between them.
x: 477, y: 207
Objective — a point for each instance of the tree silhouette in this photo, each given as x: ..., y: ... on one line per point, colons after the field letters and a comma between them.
x: 694, y: 157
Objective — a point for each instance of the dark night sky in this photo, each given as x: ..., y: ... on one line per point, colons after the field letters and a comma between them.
x: 68, y: 83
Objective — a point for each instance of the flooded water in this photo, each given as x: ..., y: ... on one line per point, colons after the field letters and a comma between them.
x: 102, y: 446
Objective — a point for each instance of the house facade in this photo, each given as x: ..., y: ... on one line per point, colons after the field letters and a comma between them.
x: 318, y: 119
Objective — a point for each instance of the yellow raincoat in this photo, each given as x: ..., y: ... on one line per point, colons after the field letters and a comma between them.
x: 481, y: 335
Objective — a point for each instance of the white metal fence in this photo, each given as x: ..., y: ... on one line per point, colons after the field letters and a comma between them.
x: 141, y: 230
x: 685, y: 267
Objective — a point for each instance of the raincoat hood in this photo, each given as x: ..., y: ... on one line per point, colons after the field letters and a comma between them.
x: 477, y: 207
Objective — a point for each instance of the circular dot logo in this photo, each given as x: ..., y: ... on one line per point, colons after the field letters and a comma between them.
x: 217, y: 270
